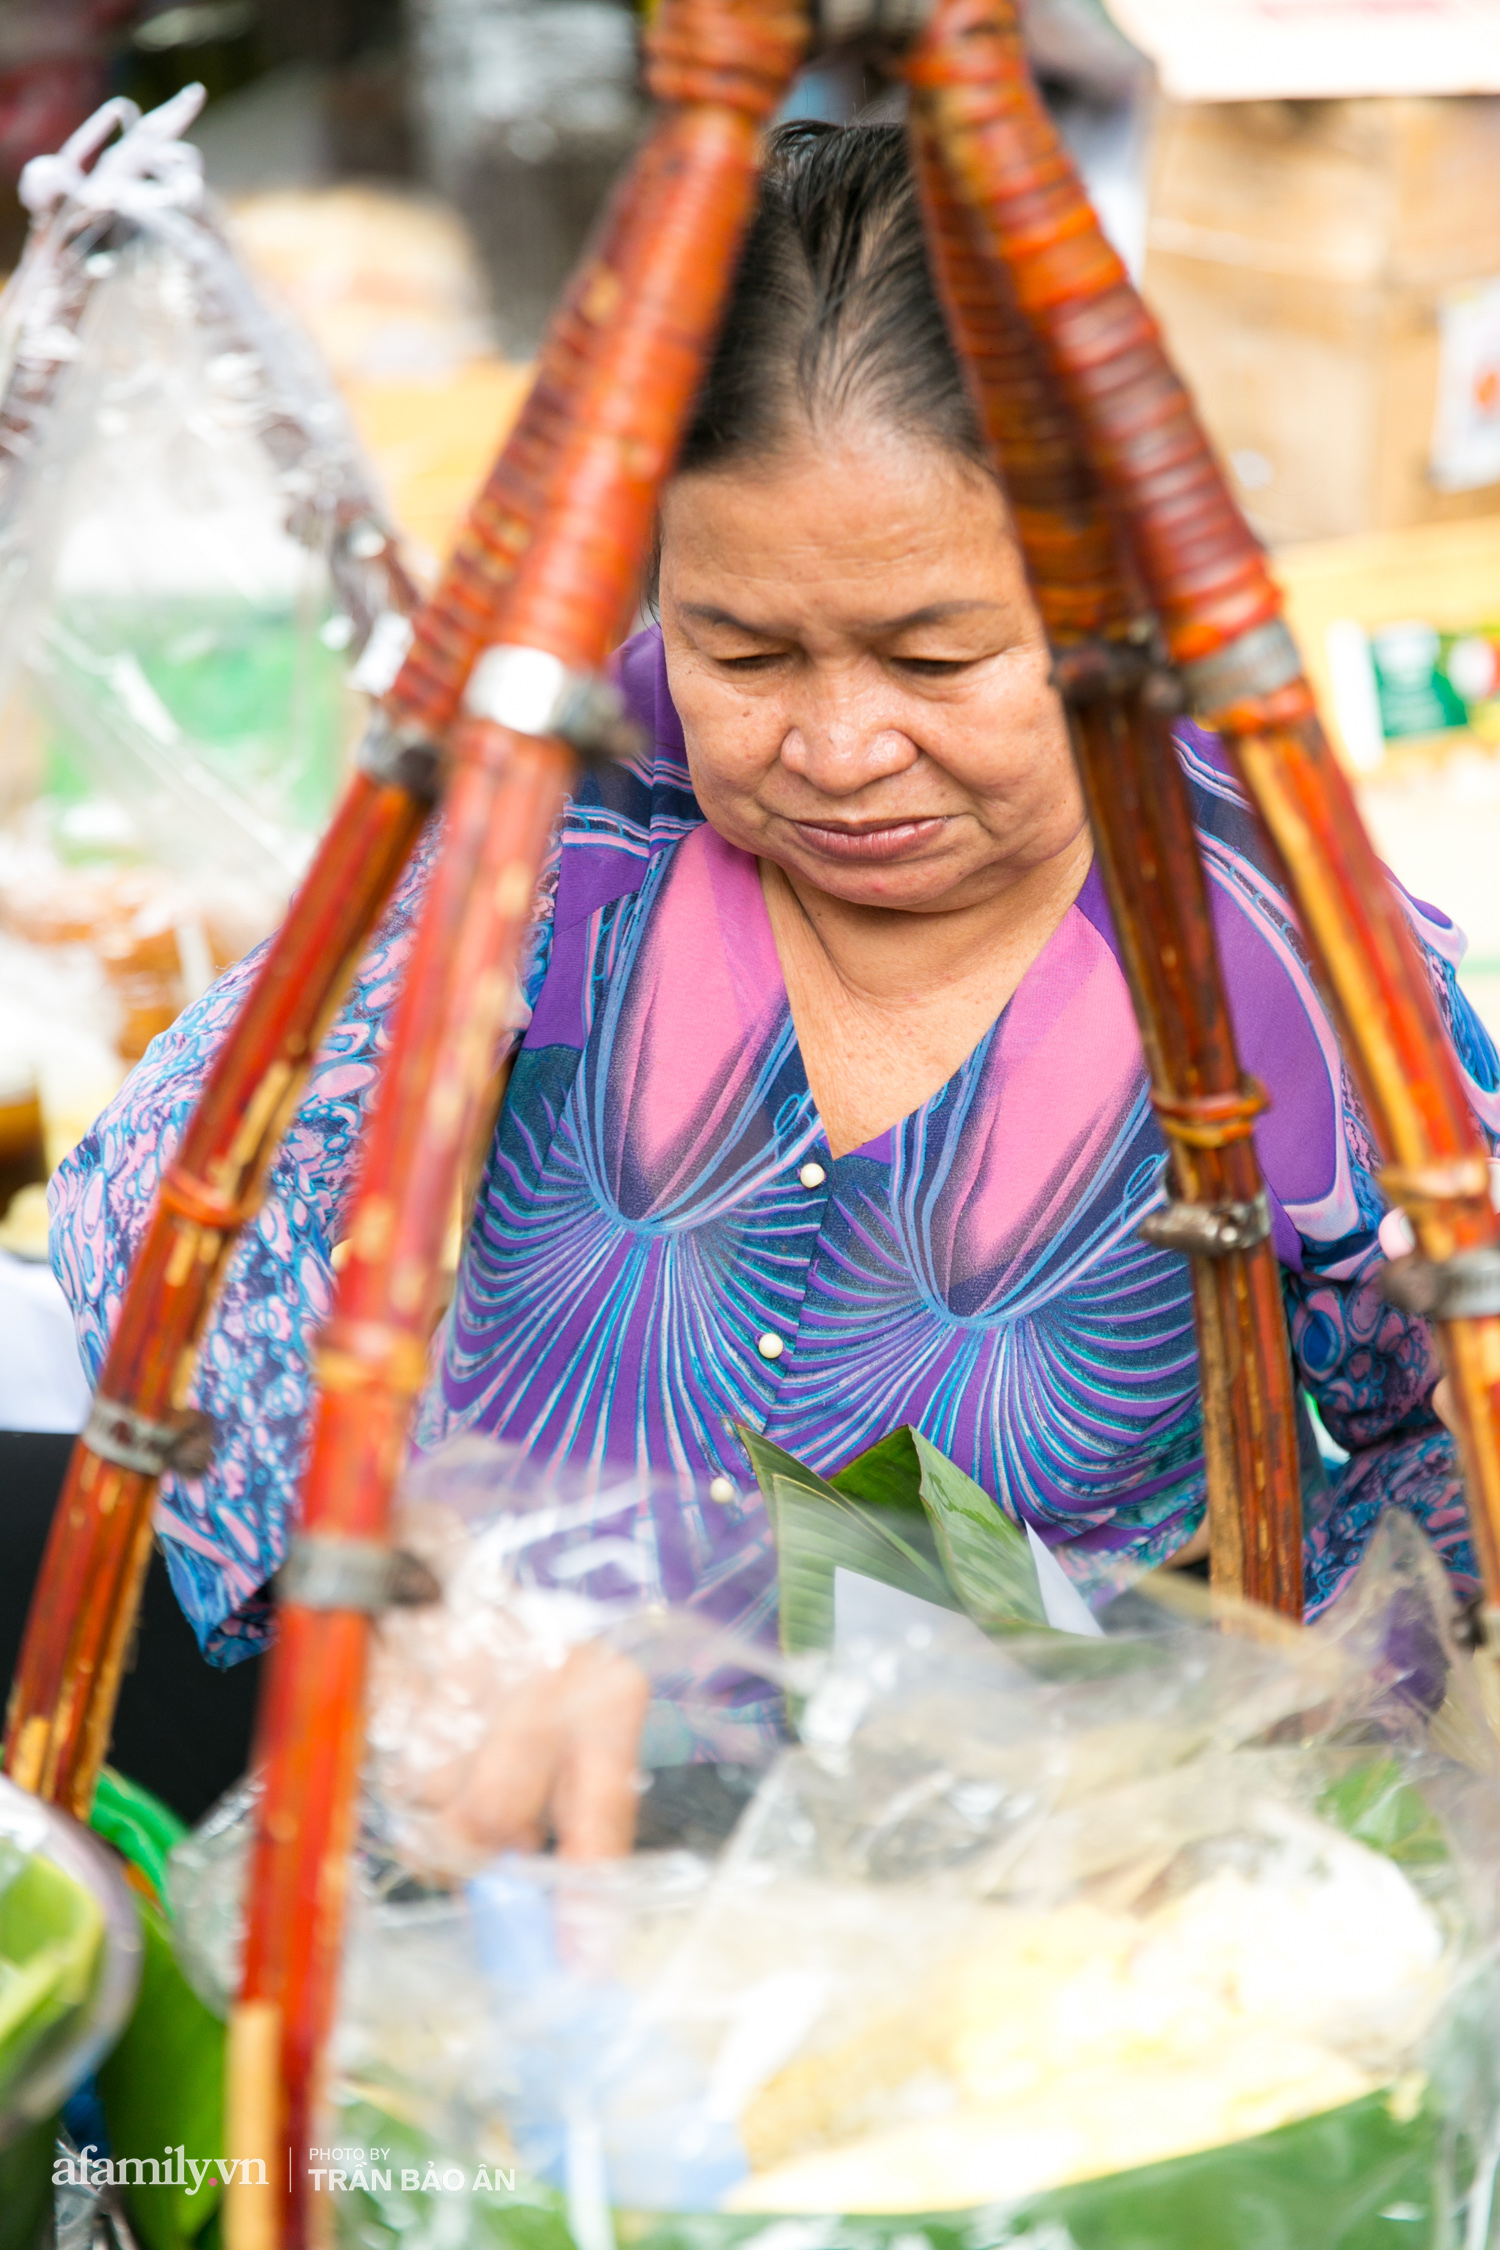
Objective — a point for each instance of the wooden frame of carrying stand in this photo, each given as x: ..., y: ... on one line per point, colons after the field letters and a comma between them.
x: 1156, y: 599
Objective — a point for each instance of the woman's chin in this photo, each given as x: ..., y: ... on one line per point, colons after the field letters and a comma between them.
x: 923, y: 881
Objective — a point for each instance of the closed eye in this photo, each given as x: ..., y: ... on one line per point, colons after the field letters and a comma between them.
x: 934, y: 667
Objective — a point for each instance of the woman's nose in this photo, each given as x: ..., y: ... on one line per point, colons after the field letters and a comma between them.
x: 840, y: 754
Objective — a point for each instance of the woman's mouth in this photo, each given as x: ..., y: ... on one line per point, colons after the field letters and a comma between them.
x: 869, y: 840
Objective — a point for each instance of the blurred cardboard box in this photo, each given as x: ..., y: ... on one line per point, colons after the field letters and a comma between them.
x: 1255, y: 50
x: 1328, y: 278
x: 1400, y: 632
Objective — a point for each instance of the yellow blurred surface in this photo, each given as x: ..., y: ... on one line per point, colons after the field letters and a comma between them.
x: 432, y: 442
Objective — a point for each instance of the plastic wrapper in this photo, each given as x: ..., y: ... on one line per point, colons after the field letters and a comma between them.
x: 1176, y: 1933
x: 70, y: 1957
x: 192, y: 563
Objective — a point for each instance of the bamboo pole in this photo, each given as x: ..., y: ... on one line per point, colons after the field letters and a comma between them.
x: 87, y: 1595
x: 1148, y: 855
x: 1221, y: 612
x: 627, y: 355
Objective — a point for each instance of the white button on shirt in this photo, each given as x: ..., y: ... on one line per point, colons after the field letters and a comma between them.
x: 812, y: 1175
x: 721, y: 1489
x: 770, y: 1346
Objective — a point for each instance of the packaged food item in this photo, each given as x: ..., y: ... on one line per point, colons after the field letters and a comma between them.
x: 193, y: 561
x: 1182, y: 1931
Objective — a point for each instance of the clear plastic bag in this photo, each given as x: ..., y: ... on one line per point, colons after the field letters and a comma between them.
x: 1157, y: 1936
x: 192, y: 560
x: 595, y: 1578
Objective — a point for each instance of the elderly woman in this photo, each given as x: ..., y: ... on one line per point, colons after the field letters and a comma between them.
x: 829, y: 1113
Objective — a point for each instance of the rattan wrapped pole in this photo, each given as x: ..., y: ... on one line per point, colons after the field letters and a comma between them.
x: 1221, y: 612
x: 634, y: 342
x: 83, y: 1611
x: 1148, y: 855
x: 83, y: 1608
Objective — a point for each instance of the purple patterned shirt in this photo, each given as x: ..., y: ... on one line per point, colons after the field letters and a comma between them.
x: 661, y: 1211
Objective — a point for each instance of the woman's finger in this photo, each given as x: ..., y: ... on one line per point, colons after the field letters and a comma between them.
x: 502, y: 1800
x: 594, y: 1803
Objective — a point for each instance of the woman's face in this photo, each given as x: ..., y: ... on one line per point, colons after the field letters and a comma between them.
x: 860, y: 672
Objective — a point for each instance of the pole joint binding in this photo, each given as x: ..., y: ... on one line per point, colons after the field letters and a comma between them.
x: 1208, y: 1230
x: 322, y: 1571
x: 1114, y: 668
x: 1252, y: 666
x: 1463, y: 1287
x: 886, y: 23
x: 1211, y: 1120
x: 183, y: 1445
x: 401, y: 758
x: 533, y: 692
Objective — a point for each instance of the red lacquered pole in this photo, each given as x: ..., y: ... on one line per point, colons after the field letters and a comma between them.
x: 1139, y: 807
x: 83, y: 1610
x: 1221, y: 611
x: 636, y: 341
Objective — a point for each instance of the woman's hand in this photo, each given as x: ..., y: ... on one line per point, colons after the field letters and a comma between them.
x: 560, y: 1759
x: 489, y: 1732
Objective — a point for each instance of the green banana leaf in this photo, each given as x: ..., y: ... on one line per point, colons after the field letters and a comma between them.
x: 1375, y: 1803
x: 51, y: 1937
x: 1361, y: 2177
x: 887, y: 1474
x: 819, y: 1529
x: 163, y: 2088
x: 26, y: 2188
x: 900, y: 1513
x: 377, y: 2217
x: 987, y: 1558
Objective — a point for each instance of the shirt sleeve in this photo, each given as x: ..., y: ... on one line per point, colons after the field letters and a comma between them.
x: 1370, y: 1368
x: 224, y: 1533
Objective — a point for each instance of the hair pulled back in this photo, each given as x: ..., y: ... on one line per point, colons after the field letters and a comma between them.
x: 833, y: 309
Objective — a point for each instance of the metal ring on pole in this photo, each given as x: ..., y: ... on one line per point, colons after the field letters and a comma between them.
x: 115, y: 1432
x: 533, y: 692
x: 1463, y: 1287
x: 1258, y: 663
x: 1208, y: 1230
x: 401, y: 758
x: 358, y: 1574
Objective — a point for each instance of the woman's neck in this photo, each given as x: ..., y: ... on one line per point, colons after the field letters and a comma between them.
x: 886, y: 1005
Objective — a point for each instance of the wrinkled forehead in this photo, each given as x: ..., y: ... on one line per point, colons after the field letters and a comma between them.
x: 853, y: 527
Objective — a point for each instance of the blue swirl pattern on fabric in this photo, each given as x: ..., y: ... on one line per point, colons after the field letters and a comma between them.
x: 664, y: 1245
